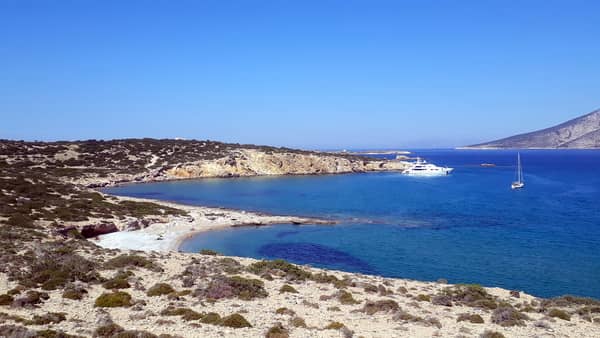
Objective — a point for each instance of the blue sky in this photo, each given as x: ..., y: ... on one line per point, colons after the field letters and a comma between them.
x: 311, y: 74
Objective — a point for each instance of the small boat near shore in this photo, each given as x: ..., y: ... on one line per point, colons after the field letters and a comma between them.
x: 422, y: 168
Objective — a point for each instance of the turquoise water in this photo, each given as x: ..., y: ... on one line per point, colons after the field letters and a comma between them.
x: 469, y: 227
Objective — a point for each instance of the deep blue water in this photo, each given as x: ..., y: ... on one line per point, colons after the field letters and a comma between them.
x: 469, y: 227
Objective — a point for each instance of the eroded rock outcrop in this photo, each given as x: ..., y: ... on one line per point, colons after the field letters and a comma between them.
x: 249, y: 162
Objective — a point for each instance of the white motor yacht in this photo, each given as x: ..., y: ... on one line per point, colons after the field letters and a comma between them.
x: 421, y: 168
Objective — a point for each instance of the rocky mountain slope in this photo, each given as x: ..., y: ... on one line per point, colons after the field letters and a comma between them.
x: 579, y: 133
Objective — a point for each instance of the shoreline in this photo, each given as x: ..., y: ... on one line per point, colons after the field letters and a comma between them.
x: 168, y: 234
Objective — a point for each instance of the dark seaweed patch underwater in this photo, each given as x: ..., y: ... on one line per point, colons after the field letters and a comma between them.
x: 310, y: 253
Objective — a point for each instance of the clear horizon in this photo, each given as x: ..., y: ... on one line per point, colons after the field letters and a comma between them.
x: 313, y: 75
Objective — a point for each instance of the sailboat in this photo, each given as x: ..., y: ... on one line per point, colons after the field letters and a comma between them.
x: 519, y: 183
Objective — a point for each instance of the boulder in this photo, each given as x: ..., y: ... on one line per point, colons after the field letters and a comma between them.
x: 132, y: 225
x: 93, y: 230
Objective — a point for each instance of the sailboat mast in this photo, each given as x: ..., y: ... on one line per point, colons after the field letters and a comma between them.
x: 519, y: 169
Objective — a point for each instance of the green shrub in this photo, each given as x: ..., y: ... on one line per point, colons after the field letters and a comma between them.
x: 346, y: 298
x: 74, y: 293
x: 211, y: 318
x: 114, y: 299
x: 508, y: 316
x: 53, y: 334
x: 20, y: 220
x: 235, y: 321
x: 208, y: 252
x: 491, y: 334
x: 298, y: 322
x: 334, y: 326
x: 288, y: 288
x: 6, y: 299
x: 116, y: 283
x: 557, y: 313
x: 160, y: 289
x: 424, y: 298
x: 185, y: 313
x: 108, y: 330
x: 277, y: 331
x: 284, y: 311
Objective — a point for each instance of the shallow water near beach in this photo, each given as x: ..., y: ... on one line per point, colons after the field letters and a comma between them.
x: 469, y: 227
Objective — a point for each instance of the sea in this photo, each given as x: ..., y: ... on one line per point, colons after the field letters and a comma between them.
x: 467, y: 227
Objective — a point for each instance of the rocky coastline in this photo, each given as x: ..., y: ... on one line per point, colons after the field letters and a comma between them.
x: 66, y: 272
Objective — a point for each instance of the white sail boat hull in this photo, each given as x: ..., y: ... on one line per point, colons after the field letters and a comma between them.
x: 517, y: 185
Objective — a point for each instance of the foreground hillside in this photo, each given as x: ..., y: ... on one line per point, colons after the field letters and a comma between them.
x: 580, y: 133
x: 54, y: 282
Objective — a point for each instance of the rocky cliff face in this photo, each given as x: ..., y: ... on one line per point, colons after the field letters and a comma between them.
x: 250, y: 162
x: 580, y: 133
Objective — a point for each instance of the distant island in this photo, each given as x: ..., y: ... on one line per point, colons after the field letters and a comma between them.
x: 580, y: 133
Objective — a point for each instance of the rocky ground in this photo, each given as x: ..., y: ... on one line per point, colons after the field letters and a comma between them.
x: 55, y: 281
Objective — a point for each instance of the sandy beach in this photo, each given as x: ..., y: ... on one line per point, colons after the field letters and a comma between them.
x: 168, y: 234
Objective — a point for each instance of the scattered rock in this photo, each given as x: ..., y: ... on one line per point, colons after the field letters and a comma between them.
x: 94, y: 230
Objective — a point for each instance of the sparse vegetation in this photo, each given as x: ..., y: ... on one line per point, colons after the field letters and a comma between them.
x: 508, y: 316
x: 468, y: 295
x: 558, y: 313
x: 424, y: 298
x: 236, y: 286
x: 31, y: 298
x: 298, y: 322
x: 125, y: 260
x: 48, y: 318
x: 280, y: 267
x: 471, y: 318
x: 372, y: 307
